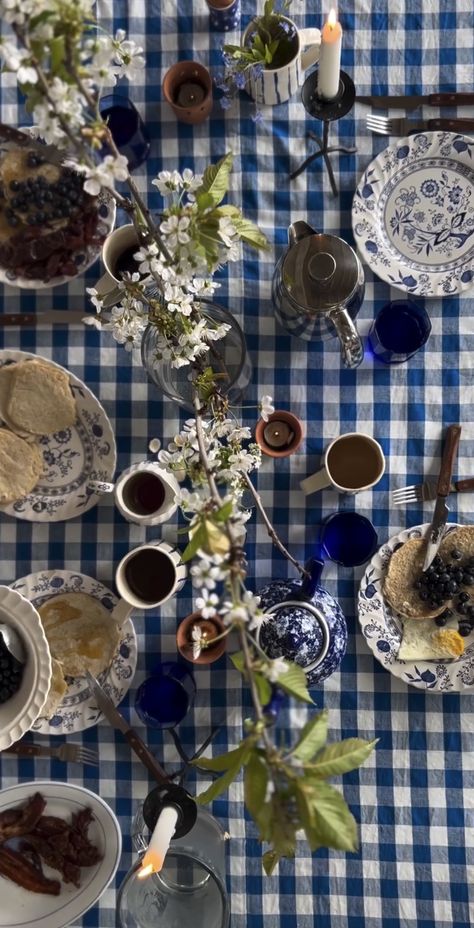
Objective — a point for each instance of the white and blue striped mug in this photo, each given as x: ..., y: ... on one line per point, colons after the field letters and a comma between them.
x: 277, y: 85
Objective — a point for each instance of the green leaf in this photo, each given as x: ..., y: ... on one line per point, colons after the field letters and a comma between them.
x: 58, y: 51
x: 332, y: 823
x: 238, y: 661
x: 264, y: 688
x: 197, y: 541
x: 307, y: 814
x: 223, y: 783
x: 294, y: 683
x: 204, y: 201
x: 255, y: 785
x: 250, y: 233
x: 341, y: 757
x: 312, y: 738
x: 222, y: 761
x: 215, y: 180
x: 224, y: 512
x: 270, y: 860
x: 228, y: 210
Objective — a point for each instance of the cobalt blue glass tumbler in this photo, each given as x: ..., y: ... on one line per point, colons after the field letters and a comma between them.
x: 399, y: 330
x: 223, y: 15
x: 348, y: 539
x: 127, y: 128
x: 164, y: 698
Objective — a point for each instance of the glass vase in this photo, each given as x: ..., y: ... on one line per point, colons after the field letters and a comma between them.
x: 228, y: 358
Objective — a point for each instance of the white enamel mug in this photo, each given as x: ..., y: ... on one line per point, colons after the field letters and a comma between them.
x: 277, y: 85
x: 132, y: 503
x: 353, y: 462
x: 148, y: 576
x: 119, y: 241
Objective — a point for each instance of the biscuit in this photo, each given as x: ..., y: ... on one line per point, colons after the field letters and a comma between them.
x: 40, y: 399
x: 81, y: 633
x: 21, y: 466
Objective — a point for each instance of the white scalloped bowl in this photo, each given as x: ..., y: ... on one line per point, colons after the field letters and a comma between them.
x: 18, y: 714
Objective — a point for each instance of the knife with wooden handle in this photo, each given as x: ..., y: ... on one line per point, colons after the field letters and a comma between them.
x: 440, y: 515
x: 52, y: 317
x: 412, y: 101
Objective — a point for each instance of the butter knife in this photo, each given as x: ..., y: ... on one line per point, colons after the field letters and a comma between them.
x: 412, y: 101
x: 441, y: 512
x: 52, y: 317
x: 25, y: 140
x: 117, y: 720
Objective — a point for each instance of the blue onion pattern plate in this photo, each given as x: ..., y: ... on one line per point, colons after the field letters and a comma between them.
x: 382, y: 628
x: 72, y: 457
x: 78, y: 709
x: 413, y: 214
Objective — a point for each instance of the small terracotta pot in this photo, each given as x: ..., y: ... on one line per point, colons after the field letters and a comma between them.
x: 184, y: 80
x: 184, y: 641
x: 295, y: 438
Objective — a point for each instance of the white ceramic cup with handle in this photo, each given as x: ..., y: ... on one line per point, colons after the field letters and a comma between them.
x: 352, y: 462
x: 145, y: 493
x: 147, y: 577
x: 277, y: 85
x: 119, y: 241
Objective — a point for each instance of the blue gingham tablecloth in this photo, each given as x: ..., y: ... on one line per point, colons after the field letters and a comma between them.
x: 414, y: 798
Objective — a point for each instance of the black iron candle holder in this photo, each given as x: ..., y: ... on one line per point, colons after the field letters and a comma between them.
x: 327, y: 111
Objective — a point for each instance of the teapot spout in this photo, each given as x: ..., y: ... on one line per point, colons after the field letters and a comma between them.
x: 298, y: 230
x: 314, y: 567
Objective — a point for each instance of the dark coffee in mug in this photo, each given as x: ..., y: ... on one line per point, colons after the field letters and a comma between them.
x: 353, y: 462
x: 126, y: 262
x: 143, y: 494
x: 150, y: 574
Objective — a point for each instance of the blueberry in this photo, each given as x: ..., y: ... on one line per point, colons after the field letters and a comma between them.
x: 13, y: 221
x: 458, y: 575
x: 452, y: 587
x: 456, y: 554
x: 468, y: 579
x: 437, y: 561
x: 462, y: 609
x: 463, y: 597
x: 424, y: 595
x: 440, y: 620
x: 418, y: 585
x: 444, y: 577
x: 464, y: 630
x: 34, y: 160
x: 15, y: 185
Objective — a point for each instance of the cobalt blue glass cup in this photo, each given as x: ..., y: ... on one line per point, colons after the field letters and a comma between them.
x: 399, y: 330
x: 164, y: 698
x: 224, y: 17
x: 127, y: 128
x: 348, y: 539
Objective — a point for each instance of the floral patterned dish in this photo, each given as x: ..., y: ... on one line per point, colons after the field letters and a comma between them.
x: 413, y: 214
x: 78, y: 709
x: 72, y: 457
x: 382, y: 629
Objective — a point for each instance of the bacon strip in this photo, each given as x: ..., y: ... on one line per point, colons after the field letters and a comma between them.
x: 18, y: 869
x: 17, y: 822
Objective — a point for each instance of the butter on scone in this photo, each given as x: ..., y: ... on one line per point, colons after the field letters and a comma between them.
x: 81, y: 633
x: 423, y: 641
x: 57, y: 690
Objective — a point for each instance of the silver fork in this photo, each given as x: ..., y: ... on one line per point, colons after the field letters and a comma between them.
x: 385, y: 125
x: 74, y: 753
x: 421, y: 492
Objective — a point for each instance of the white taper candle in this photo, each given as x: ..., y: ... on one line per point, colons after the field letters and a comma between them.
x: 330, y: 58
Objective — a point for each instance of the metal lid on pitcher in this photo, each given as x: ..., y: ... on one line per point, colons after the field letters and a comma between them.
x: 320, y: 271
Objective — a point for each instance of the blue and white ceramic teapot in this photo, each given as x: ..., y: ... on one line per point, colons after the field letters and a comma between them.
x: 307, y: 625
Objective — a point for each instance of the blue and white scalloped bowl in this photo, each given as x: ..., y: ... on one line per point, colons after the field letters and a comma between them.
x: 382, y: 628
x: 413, y: 214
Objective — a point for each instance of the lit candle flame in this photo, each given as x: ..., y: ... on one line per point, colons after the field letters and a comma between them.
x: 159, y: 843
x: 332, y: 19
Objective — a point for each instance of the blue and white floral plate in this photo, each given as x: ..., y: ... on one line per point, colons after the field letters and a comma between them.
x: 413, y: 214
x: 72, y: 457
x: 78, y: 709
x: 382, y: 628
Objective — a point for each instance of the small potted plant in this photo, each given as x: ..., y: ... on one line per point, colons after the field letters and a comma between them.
x: 269, y: 61
x: 201, y: 640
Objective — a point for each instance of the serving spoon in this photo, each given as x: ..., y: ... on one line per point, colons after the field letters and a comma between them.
x: 13, y: 643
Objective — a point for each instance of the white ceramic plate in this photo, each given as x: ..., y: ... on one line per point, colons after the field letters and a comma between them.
x: 413, y: 214
x: 22, y: 909
x: 72, y: 457
x: 78, y: 709
x: 382, y: 628
x: 18, y: 714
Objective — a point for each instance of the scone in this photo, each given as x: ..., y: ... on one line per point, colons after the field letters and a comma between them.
x: 21, y: 466
x: 81, y: 633
x: 40, y: 399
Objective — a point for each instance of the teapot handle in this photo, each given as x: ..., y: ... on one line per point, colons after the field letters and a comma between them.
x: 352, y: 352
x: 314, y: 566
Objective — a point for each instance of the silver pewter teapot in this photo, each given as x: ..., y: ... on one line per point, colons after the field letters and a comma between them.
x: 318, y: 288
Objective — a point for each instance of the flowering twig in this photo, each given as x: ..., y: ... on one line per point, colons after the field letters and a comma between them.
x: 271, y: 530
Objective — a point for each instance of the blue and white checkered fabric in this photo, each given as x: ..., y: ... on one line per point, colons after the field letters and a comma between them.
x: 413, y: 798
